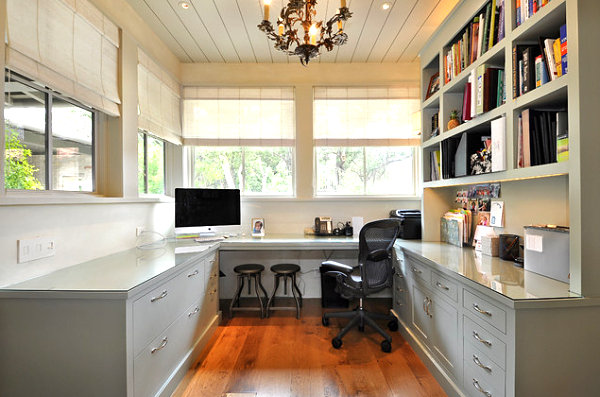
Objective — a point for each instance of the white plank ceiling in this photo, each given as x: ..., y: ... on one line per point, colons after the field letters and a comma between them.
x: 226, y: 30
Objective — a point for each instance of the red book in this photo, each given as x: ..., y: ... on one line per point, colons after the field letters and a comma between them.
x: 466, y: 108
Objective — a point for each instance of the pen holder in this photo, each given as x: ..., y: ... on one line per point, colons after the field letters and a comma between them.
x: 508, y: 247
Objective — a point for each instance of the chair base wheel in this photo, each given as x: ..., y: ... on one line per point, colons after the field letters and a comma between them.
x: 361, y: 328
x: 393, y: 325
x: 386, y: 346
x: 337, y: 343
x: 325, y: 321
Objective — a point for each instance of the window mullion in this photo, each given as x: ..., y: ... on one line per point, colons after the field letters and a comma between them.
x: 48, y: 141
x: 365, y: 170
x: 146, y: 163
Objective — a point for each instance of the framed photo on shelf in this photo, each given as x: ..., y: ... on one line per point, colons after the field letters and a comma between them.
x: 258, y: 227
x: 434, y: 85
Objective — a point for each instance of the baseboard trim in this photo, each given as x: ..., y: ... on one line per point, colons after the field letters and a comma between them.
x: 438, y: 372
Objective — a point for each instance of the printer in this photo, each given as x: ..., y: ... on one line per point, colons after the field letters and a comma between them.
x: 410, y: 223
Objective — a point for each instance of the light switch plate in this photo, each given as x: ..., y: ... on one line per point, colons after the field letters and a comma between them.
x: 35, y: 248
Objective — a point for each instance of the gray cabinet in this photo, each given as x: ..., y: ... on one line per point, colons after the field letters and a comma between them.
x: 133, y: 342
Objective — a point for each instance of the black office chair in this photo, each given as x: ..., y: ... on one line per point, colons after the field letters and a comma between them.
x: 373, y: 273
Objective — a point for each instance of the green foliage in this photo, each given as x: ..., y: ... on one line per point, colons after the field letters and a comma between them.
x: 18, y: 172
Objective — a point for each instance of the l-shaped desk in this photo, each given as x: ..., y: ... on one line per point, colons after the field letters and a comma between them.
x: 130, y: 324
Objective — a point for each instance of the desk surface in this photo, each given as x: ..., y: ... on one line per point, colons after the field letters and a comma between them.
x: 123, y: 271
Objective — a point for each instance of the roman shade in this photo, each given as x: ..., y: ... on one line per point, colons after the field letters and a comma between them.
x: 238, y: 116
x: 69, y: 46
x: 365, y: 116
x: 159, y: 100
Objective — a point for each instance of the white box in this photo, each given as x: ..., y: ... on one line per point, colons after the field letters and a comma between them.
x: 547, y: 251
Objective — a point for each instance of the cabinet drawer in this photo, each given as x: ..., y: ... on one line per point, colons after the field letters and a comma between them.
x: 418, y: 271
x: 445, y: 286
x: 400, y: 294
x: 154, y: 311
x: 157, y: 360
x: 484, y: 341
x: 478, y: 384
x: 483, y: 367
x: 482, y: 308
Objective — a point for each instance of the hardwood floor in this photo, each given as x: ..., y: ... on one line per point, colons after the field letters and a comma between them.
x: 282, y: 356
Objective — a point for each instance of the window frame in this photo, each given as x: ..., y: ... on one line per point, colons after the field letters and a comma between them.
x: 191, y: 158
x: 415, y: 176
x: 145, y: 135
x: 49, y: 95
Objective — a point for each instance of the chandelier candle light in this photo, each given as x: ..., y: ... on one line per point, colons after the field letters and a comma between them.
x: 316, y: 34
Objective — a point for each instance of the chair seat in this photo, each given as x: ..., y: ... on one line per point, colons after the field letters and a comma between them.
x: 250, y: 268
x: 285, y: 268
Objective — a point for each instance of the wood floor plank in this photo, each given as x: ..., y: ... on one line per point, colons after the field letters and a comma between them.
x: 284, y: 357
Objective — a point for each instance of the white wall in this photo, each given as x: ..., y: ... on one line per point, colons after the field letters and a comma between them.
x: 81, y: 232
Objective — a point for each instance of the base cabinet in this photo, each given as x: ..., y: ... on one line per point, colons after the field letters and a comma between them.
x: 100, y: 343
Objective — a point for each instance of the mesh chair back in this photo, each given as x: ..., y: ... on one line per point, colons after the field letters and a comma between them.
x: 377, y: 236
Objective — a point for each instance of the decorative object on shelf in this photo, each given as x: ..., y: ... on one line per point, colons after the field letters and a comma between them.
x: 316, y: 34
x: 435, y: 127
x: 258, y: 227
x: 434, y: 85
x: 454, y: 120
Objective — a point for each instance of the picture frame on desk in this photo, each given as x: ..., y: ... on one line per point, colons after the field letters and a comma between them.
x: 258, y: 227
x: 434, y: 85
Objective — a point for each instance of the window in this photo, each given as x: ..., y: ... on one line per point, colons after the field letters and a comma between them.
x: 151, y: 164
x: 49, y: 139
x: 241, y: 138
x: 364, y: 141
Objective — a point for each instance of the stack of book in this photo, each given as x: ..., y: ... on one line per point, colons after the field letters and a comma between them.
x: 455, y: 227
x: 525, y: 9
x: 542, y: 137
x: 486, y: 29
x: 483, y: 91
x: 535, y: 65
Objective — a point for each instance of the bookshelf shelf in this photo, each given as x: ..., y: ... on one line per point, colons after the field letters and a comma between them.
x: 539, y: 171
x: 541, y: 24
x: 550, y: 94
x: 494, y: 57
x: 432, y: 102
x: 475, y: 124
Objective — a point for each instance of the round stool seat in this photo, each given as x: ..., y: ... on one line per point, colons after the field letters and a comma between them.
x: 251, y: 268
x: 285, y: 268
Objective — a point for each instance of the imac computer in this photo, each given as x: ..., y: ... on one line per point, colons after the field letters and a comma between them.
x: 204, y: 212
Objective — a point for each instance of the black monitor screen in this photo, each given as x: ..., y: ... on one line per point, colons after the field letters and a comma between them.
x: 207, y: 207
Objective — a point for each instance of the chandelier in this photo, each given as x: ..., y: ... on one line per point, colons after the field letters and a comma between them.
x: 316, y: 34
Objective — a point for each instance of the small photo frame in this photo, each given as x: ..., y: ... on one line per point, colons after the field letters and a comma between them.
x: 434, y: 85
x: 258, y: 227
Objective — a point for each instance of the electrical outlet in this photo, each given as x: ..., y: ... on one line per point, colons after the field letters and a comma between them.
x: 35, y: 248
x: 139, y: 230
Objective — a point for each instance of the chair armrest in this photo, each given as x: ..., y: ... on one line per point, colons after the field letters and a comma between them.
x: 378, y: 255
x: 337, y: 267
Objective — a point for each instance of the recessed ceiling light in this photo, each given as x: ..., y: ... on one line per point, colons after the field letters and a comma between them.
x: 184, y: 4
x: 385, y: 6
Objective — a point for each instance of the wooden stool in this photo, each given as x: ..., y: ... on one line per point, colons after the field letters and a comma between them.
x: 248, y: 271
x: 288, y: 272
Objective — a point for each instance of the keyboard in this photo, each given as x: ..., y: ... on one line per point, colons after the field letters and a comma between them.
x: 209, y: 239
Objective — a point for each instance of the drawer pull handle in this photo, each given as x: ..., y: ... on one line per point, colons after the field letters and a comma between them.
x: 480, y: 364
x: 480, y: 310
x: 162, y: 346
x: 480, y: 389
x: 195, y: 272
x: 442, y: 286
x: 214, y: 291
x: 196, y: 310
x: 212, y: 262
x: 478, y: 338
x: 415, y: 270
x: 157, y: 298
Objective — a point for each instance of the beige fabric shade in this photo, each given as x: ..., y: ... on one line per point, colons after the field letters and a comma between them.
x: 159, y: 100
x: 233, y: 116
x: 69, y: 46
x: 365, y: 116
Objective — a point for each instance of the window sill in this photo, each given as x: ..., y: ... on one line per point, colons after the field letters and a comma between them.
x: 330, y: 198
x: 67, y: 198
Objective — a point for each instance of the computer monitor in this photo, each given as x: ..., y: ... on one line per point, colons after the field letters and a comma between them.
x: 206, y: 211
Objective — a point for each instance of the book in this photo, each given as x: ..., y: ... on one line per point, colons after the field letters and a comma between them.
x: 501, y: 17
x: 435, y: 128
x: 473, y: 81
x: 493, y: 21
x: 466, y: 107
x: 563, y: 48
x: 520, y: 160
x: 498, y: 131
x: 549, y: 51
x: 526, y: 147
x: 557, y: 59
x: 518, y: 12
x: 562, y: 148
x: 538, y: 71
x: 520, y: 77
x: 486, y: 28
x: 479, y: 106
x: 480, y: 34
x: 500, y: 88
x: 474, y: 38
